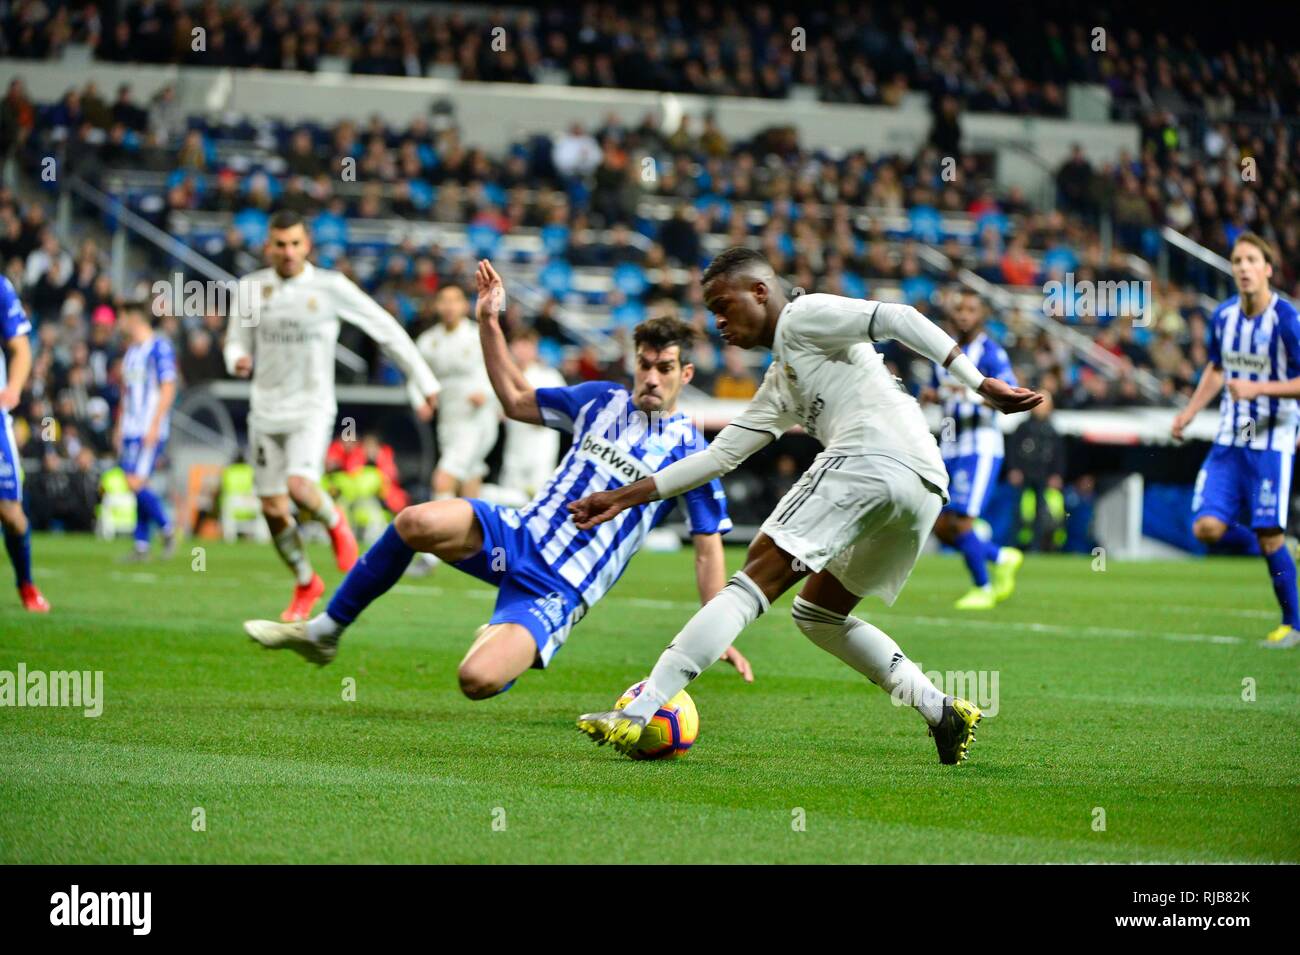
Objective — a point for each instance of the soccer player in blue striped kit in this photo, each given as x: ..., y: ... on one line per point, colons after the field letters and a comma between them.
x: 15, y: 330
x: 144, y: 424
x: 1254, y: 369
x: 972, y: 447
x: 547, y: 571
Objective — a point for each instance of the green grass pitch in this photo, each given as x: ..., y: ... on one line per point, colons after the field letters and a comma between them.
x: 1119, y: 691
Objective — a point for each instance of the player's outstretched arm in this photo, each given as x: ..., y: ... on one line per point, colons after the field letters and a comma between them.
x: 357, y: 308
x: 906, y: 325
x: 1210, y: 385
x: 518, y: 398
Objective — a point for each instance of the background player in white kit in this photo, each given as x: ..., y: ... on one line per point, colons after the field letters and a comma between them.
x: 972, y: 448
x: 468, y: 413
x: 285, y: 338
x: 531, y: 449
x: 855, y: 521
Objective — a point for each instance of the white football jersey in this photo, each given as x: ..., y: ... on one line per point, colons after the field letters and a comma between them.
x: 531, y: 449
x: 291, y: 330
x: 456, y: 357
x: 826, y: 377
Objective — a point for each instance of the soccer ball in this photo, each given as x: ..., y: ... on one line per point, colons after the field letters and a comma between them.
x: 670, y: 732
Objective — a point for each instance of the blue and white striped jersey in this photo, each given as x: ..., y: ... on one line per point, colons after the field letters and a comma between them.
x: 145, y: 368
x: 970, y: 426
x: 13, y: 322
x: 1265, y: 347
x: 613, y: 444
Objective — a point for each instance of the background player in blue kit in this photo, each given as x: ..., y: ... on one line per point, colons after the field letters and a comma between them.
x: 547, y: 571
x: 143, y: 425
x: 972, y: 447
x: 1246, y: 479
x: 14, y: 332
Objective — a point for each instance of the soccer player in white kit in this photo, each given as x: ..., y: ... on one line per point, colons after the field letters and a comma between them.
x: 468, y: 412
x: 531, y: 449
x: 857, y: 518
x: 284, y: 337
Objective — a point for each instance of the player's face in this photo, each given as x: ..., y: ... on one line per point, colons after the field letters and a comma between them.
x: 1250, y: 270
x: 738, y: 307
x: 966, y: 316
x: 287, y: 250
x: 451, y: 306
x: 658, y: 378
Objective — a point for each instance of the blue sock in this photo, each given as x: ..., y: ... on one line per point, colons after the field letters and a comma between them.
x: 1237, y: 540
x: 148, y: 503
x: 20, y: 554
x: 991, y: 551
x: 973, y: 550
x: 377, y: 570
x: 1282, y: 569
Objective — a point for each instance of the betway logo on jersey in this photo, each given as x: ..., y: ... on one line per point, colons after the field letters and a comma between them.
x: 1245, y: 363
x: 612, y: 459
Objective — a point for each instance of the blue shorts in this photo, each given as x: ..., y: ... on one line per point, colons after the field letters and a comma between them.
x: 1247, y: 486
x: 529, y: 593
x: 11, y: 466
x: 139, y: 461
x: 971, y: 478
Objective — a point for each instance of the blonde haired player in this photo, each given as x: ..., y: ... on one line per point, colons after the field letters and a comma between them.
x: 1254, y: 370
x: 853, y: 524
x: 283, y: 333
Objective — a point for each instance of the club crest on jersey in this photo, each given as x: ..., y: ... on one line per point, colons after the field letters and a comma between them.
x: 612, y: 459
x: 1261, y: 337
x: 311, y: 303
x: 789, y: 372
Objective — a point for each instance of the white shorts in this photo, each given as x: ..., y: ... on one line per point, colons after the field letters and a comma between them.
x: 863, y: 518
x: 465, y: 439
x: 280, y: 455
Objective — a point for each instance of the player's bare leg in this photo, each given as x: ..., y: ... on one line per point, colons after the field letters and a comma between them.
x: 499, y: 655
x: 447, y: 528
x: 18, y: 542
x: 308, y: 587
x: 822, y: 612
x: 314, y: 502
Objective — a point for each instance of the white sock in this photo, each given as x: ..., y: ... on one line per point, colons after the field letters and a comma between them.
x: 871, y: 652
x: 289, y: 544
x: 325, y: 511
x: 700, y: 643
x: 323, y: 627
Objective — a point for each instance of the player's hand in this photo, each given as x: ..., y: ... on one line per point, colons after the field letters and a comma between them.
x: 491, y: 292
x: 1006, y: 399
x: 595, y: 509
x: 737, y: 660
x: 1242, y: 389
x: 151, y: 437
x: 477, y: 399
x: 243, y: 366
x: 430, y: 405
x: 1181, y: 421
x: 9, y: 397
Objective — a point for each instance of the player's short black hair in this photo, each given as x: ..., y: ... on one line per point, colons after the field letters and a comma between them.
x: 286, y: 219
x: 734, y: 259
x: 663, y: 332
